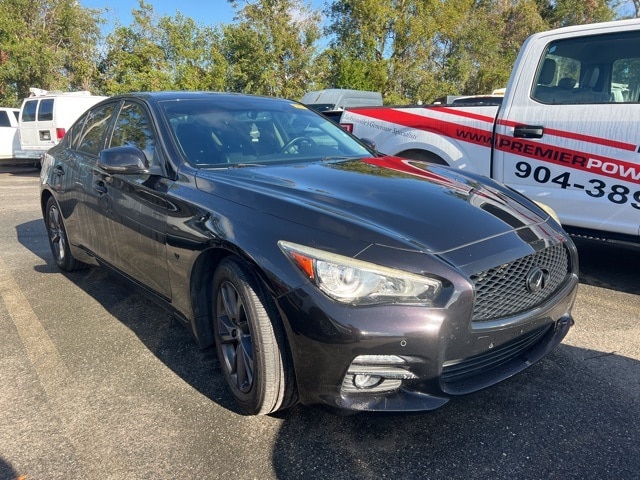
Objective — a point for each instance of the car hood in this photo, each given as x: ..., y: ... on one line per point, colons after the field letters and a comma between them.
x: 387, y: 201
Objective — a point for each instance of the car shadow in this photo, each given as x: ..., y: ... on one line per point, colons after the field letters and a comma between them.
x: 610, y: 266
x: 566, y: 417
x: 559, y: 419
x: 21, y: 168
x: 166, y: 337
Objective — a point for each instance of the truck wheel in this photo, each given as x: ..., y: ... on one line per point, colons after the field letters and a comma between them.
x: 251, y: 345
x: 423, y: 156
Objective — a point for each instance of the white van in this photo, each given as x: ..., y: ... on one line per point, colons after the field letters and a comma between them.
x: 46, y: 116
x: 9, y: 139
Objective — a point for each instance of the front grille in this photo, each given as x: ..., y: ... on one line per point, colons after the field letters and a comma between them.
x: 460, y: 370
x: 502, y: 291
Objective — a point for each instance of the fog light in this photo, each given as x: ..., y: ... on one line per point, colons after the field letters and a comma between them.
x: 377, y: 374
x: 366, y: 381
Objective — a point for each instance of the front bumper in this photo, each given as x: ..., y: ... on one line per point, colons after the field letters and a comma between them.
x: 423, y: 356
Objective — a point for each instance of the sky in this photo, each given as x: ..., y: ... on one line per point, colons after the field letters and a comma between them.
x: 206, y: 12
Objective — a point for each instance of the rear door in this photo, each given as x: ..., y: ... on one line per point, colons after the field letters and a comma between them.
x: 28, y: 126
x: 80, y: 177
x: 9, y: 141
x: 572, y: 139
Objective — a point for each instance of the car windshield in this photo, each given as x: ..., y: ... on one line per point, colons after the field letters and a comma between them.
x: 235, y: 131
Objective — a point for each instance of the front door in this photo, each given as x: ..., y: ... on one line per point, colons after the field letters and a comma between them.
x: 572, y: 142
x: 135, y: 206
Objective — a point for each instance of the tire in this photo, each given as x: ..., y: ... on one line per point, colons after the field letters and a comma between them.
x: 58, y: 240
x: 250, y: 341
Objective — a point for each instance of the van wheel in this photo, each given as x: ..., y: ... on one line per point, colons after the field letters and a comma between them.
x: 58, y: 240
x: 250, y: 341
x: 423, y: 156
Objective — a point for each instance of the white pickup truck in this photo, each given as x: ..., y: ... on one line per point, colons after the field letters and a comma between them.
x: 567, y: 132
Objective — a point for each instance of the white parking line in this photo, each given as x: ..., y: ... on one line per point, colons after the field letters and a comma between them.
x: 51, y: 370
x: 64, y: 395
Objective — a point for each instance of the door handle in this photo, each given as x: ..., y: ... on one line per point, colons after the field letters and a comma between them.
x: 528, y: 131
x: 100, y: 187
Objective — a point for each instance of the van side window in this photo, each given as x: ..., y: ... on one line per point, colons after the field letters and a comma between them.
x: 4, y: 119
x: 133, y: 128
x: 45, y: 111
x: 91, y: 139
x: 590, y: 70
x: 29, y: 111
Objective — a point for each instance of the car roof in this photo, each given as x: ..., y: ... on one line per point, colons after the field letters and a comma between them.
x: 194, y: 95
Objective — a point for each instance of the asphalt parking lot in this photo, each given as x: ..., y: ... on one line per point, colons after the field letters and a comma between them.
x: 97, y: 382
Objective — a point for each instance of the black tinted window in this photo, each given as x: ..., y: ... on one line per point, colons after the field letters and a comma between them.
x: 4, y: 119
x: 92, y: 138
x: 45, y: 112
x: 133, y: 128
x: 222, y: 131
x: 29, y: 111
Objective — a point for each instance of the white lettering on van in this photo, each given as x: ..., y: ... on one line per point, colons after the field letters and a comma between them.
x: 611, y: 168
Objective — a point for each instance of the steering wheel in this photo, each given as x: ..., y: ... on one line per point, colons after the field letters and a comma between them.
x: 292, y: 147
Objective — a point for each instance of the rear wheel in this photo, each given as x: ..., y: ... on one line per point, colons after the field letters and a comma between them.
x: 250, y: 341
x: 58, y: 240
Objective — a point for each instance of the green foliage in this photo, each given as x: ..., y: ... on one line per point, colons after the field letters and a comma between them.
x: 271, y: 48
x: 46, y: 44
x: 562, y: 13
x: 167, y: 53
x: 410, y: 50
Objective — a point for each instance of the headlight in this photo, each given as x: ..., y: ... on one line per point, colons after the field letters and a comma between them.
x: 549, y: 211
x: 355, y: 282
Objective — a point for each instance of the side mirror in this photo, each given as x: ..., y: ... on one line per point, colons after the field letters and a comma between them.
x: 123, y: 160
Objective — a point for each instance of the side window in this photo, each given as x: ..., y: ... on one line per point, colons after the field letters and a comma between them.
x: 590, y: 70
x: 4, y: 119
x: 625, y: 80
x: 91, y: 139
x: 17, y: 115
x: 29, y: 111
x: 45, y: 111
x: 133, y: 128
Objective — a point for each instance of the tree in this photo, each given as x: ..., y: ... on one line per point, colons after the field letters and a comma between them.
x: 562, y: 13
x: 135, y: 60
x: 193, y: 54
x: 49, y: 44
x: 271, y: 48
x: 166, y: 53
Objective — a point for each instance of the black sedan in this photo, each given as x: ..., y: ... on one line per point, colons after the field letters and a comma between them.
x: 323, y: 272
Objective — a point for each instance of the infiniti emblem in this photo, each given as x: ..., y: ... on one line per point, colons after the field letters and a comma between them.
x: 537, y: 279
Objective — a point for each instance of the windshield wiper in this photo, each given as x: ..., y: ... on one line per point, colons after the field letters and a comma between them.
x: 244, y: 165
x: 343, y: 157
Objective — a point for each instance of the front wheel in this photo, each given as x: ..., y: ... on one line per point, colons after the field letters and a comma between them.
x: 250, y: 341
x: 58, y: 240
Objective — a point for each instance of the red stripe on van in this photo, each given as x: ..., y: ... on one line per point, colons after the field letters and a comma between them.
x: 578, y: 136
